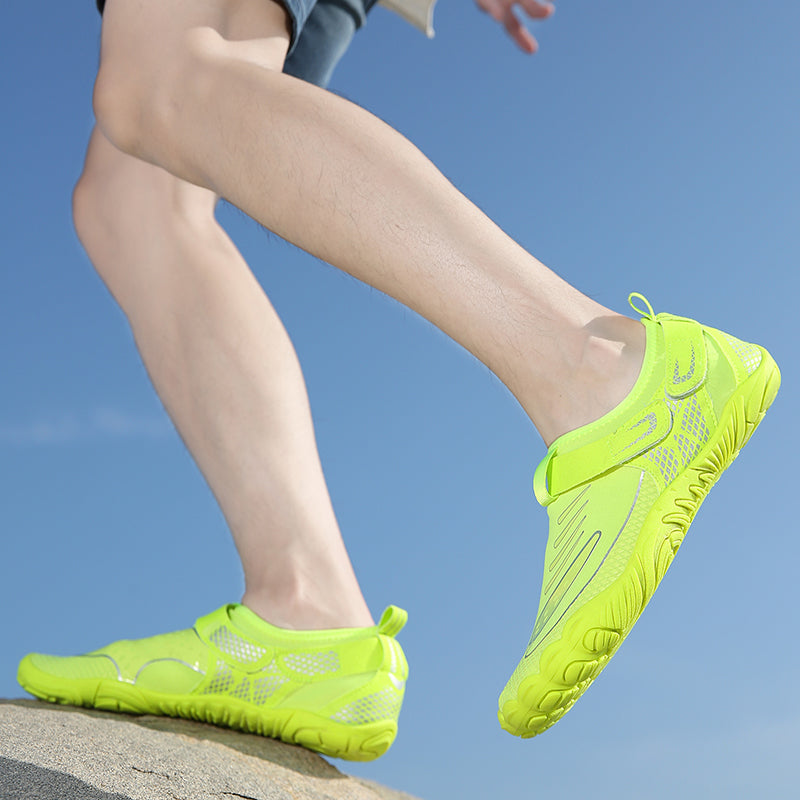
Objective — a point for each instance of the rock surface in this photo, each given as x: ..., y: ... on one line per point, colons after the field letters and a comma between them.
x: 52, y: 752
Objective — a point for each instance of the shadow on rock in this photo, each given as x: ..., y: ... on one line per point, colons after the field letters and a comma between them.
x: 23, y: 781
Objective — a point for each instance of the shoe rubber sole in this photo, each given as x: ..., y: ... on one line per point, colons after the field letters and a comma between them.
x: 364, y: 742
x: 595, y: 631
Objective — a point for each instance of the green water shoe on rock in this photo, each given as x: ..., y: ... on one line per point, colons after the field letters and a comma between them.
x: 337, y: 692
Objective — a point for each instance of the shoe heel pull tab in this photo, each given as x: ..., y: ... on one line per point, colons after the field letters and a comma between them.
x: 637, y: 296
x: 393, y: 620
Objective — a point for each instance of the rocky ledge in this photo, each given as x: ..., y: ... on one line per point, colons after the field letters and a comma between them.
x: 52, y: 752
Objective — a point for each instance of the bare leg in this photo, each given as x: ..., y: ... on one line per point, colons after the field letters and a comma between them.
x: 227, y: 373
x: 212, y: 107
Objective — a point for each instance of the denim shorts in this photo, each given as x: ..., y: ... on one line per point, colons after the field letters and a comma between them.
x: 321, y: 33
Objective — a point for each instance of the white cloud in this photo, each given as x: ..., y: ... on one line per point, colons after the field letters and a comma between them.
x: 102, y: 423
x: 112, y: 422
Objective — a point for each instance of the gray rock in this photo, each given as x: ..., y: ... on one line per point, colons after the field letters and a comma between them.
x: 50, y: 752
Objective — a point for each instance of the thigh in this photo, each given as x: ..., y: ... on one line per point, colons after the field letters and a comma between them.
x: 320, y: 33
x: 152, y: 35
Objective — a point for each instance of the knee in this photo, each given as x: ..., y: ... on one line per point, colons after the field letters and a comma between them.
x: 98, y: 215
x: 129, y: 215
x: 102, y: 229
x: 126, y: 100
x: 122, y: 226
x: 88, y: 214
x: 105, y: 207
x: 116, y: 200
x: 141, y: 102
x: 114, y: 102
x: 135, y: 92
x: 97, y: 225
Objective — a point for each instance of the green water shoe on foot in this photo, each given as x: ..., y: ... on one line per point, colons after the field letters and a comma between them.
x: 621, y: 494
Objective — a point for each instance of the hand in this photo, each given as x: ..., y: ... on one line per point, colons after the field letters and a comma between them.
x: 503, y: 11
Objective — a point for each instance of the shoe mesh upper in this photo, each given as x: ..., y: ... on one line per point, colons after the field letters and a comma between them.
x: 666, y: 460
x: 690, y: 432
x: 269, y: 681
x: 234, y: 645
x: 312, y: 663
x: 384, y: 704
x: 749, y: 354
x: 223, y: 680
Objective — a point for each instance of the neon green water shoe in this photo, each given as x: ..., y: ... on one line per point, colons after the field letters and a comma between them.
x: 621, y: 494
x: 338, y: 692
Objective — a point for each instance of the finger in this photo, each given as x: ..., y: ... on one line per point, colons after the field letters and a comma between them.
x: 494, y: 8
x: 519, y: 33
x: 537, y: 10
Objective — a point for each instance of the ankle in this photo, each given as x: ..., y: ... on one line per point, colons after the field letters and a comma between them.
x: 298, y: 611
x: 608, y: 357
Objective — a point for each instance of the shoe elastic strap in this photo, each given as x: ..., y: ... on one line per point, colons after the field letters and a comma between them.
x: 685, y: 364
x: 560, y: 472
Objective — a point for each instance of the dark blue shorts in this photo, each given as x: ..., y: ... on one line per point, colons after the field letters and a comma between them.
x: 321, y: 33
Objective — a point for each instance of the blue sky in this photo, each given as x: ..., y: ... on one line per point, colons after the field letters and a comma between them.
x: 645, y: 148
